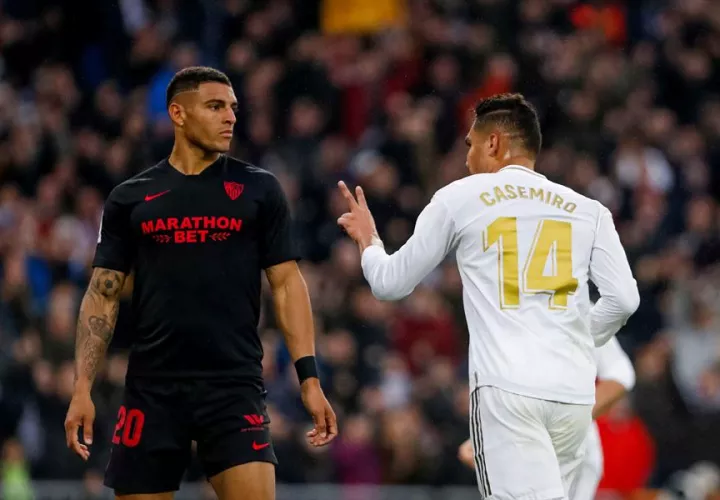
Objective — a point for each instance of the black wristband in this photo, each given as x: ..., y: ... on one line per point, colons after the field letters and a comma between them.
x: 306, y: 368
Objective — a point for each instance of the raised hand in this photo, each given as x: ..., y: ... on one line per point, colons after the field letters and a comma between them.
x: 358, y: 222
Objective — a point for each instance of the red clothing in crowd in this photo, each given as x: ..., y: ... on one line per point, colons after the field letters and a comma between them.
x: 629, y: 453
x: 422, y: 339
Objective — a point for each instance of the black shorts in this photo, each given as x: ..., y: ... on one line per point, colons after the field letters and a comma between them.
x: 151, y: 445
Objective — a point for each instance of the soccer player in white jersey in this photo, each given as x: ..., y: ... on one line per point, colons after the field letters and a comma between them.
x: 526, y: 248
x: 616, y: 377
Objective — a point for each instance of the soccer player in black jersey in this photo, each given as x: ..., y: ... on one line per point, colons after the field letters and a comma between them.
x: 196, y: 230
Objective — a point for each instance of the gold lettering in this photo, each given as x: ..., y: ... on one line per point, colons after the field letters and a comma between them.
x: 510, y: 190
x: 570, y: 207
x: 522, y: 191
x: 557, y: 201
x: 537, y: 193
x: 499, y: 194
x: 485, y: 197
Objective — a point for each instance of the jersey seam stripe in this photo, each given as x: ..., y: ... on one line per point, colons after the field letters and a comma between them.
x: 476, y: 444
x: 482, y: 448
x: 597, y: 226
x: 474, y: 441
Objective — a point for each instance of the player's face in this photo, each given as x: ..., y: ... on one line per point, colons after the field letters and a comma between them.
x: 483, y: 148
x: 210, y: 117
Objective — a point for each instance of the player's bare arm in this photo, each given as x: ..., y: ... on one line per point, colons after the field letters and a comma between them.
x: 96, y: 323
x: 294, y: 314
x: 607, y: 393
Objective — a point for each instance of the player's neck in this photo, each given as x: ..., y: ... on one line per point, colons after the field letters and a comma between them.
x: 520, y: 160
x: 189, y: 159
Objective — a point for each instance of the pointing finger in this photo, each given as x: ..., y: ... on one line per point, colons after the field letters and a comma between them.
x: 347, y: 195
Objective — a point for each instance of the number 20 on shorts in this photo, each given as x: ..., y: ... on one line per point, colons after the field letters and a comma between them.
x: 553, y: 239
x: 129, y: 427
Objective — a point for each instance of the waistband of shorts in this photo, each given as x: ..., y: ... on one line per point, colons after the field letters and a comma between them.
x: 579, y: 398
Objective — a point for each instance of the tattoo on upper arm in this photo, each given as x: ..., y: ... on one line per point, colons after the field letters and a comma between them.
x: 107, y: 282
x: 96, y: 322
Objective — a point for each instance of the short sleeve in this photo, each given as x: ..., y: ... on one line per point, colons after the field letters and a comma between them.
x: 115, y: 245
x: 277, y: 244
x: 614, y: 364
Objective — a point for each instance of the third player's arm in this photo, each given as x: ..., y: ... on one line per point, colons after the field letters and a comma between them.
x: 607, y: 393
x: 96, y: 323
x: 466, y: 454
x: 616, y: 375
x: 292, y: 308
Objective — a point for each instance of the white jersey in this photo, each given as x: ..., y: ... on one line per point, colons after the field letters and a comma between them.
x: 525, y: 248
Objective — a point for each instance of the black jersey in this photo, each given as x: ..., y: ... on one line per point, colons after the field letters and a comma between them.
x: 197, y: 245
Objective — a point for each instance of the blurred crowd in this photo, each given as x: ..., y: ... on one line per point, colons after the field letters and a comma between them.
x: 629, y: 98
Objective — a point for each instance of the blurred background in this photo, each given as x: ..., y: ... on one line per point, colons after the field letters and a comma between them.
x: 377, y: 92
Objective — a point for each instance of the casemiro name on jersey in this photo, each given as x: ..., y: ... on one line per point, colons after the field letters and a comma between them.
x: 511, y: 192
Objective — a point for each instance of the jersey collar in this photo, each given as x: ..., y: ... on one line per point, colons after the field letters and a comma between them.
x: 218, y: 165
x: 521, y: 169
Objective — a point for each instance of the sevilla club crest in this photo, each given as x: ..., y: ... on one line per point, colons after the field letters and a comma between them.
x: 234, y: 189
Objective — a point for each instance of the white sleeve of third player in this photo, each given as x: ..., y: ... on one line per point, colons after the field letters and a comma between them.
x: 610, y: 271
x: 395, y: 276
x: 614, y: 364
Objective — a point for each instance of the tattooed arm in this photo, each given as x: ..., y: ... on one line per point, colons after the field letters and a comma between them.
x: 96, y: 322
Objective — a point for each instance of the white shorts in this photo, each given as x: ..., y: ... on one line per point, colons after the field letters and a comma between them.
x: 591, y: 469
x: 526, y: 448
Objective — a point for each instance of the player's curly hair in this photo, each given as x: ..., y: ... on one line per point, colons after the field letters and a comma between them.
x: 190, y: 79
x: 514, y: 114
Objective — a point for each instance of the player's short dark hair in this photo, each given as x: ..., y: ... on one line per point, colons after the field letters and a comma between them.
x: 190, y: 79
x: 513, y: 113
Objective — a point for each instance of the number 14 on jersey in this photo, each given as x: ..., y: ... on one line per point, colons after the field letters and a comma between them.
x: 553, y: 242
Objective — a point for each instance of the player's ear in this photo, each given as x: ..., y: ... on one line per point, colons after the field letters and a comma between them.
x: 493, y: 144
x: 177, y: 114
